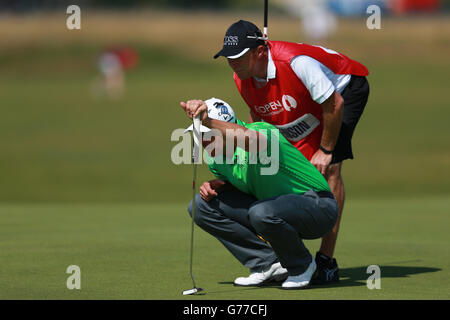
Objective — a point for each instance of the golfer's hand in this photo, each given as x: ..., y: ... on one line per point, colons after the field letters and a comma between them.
x: 194, y: 108
x: 321, y: 161
x: 208, y: 190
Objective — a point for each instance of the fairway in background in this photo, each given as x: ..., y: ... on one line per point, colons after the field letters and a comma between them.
x: 61, y: 143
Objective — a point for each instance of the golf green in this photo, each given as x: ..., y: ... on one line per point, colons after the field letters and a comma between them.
x: 141, y: 251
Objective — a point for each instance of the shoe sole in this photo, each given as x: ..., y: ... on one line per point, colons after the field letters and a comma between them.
x: 277, y: 278
x: 297, y: 288
x: 262, y: 284
x: 249, y: 285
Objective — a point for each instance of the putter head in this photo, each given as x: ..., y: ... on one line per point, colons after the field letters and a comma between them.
x: 192, y: 291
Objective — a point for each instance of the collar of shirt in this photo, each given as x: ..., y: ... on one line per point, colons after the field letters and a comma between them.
x: 271, y: 70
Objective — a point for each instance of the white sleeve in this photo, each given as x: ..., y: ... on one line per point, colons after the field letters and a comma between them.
x: 311, y: 74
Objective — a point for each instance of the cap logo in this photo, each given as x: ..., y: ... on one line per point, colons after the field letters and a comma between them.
x: 223, y: 111
x: 231, y: 41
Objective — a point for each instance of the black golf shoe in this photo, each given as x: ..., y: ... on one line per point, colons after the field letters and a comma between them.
x: 327, y: 270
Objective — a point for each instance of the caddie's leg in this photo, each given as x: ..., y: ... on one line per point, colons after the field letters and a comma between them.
x: 226, y: 218
x: 287, y: 219
x: 334, y: 178
x: 355, y: 99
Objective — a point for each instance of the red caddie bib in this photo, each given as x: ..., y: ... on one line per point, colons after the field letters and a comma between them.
x: 285, y: 101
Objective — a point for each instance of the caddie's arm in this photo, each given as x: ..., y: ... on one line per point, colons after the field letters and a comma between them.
x: 332, y: 109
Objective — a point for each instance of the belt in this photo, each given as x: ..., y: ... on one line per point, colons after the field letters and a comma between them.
x: 325, y: 194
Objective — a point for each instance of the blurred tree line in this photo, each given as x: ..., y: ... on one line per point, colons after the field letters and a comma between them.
x: 32, y: 5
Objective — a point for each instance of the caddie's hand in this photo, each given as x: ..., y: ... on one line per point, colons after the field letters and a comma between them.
x: 209, y: 189
x: 194, y: 108
x: 321, y: 161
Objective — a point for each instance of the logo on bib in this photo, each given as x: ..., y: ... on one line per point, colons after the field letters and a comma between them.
x: 288, y: 102
x: 274, y: 107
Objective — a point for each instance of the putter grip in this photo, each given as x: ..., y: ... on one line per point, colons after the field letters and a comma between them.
x: 196, y: 136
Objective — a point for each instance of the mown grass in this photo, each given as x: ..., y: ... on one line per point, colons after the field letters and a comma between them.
x: 141, y: 251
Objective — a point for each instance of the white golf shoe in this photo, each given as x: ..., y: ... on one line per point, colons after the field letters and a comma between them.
x: 275, y: 272
x: 302, y: 280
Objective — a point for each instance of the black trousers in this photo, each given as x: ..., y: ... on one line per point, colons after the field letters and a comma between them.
x: 355, y: 97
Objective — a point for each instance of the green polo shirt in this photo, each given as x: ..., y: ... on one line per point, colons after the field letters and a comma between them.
x: 295, y: 174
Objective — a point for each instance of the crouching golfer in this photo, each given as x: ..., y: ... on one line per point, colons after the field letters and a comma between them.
x: 247, y: 204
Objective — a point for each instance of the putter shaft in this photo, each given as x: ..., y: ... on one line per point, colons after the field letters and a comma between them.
x: 192, y: 224
x: 195, y: 154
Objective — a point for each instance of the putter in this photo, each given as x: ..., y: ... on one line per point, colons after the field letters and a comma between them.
x: 265, y: 37
x: 195, y: 154
x: 266, y: 11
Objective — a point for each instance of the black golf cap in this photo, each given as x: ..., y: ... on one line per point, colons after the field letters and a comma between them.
x: 240, y: 37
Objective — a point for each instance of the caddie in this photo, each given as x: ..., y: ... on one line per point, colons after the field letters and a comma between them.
x: 315, y: 97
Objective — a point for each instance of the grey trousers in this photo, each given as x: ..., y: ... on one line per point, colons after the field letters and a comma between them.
x: 236, y: 219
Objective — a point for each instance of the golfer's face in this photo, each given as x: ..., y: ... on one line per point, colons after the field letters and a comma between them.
x: 243, y: 66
